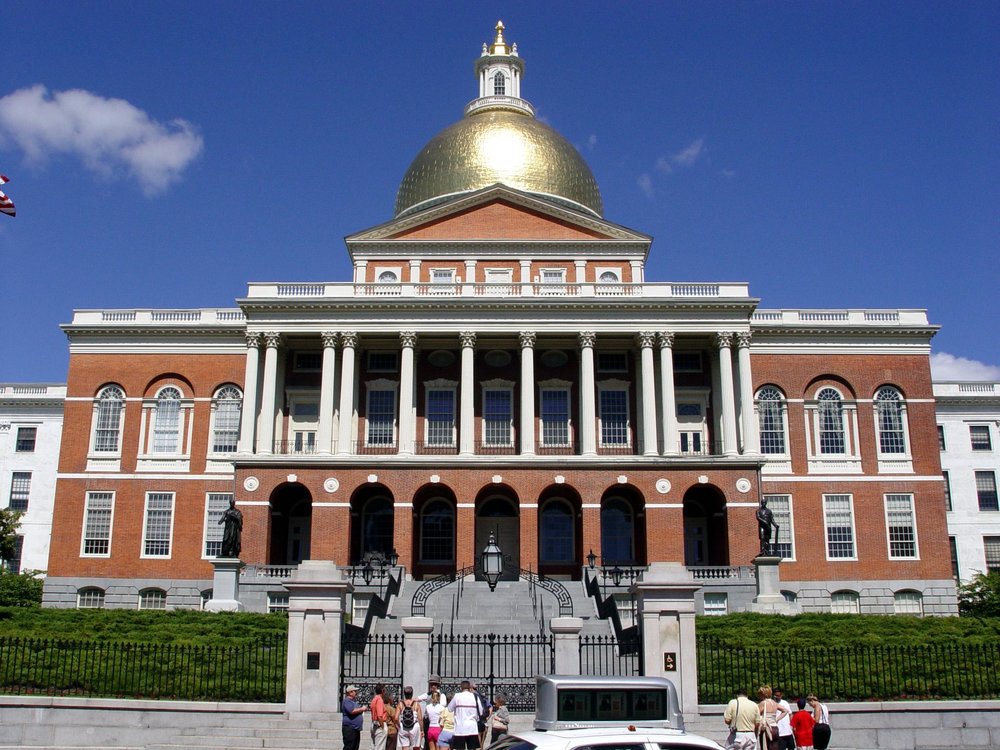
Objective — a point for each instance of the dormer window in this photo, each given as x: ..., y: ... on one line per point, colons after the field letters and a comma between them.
x: 388, y: 277
x: 499, y: 85
x: 609, y: 277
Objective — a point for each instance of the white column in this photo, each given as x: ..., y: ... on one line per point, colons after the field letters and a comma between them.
x: 348, y: 340
x: 647, y: 404
x: 467, y: 422
x: 407, y: 417
x: 326, y: 395
x: 725, y: 340
x: 588, y: 396
x: 669, y: 405
x: 248, y: 420
x: 527, y: 430
x: 526, y: 283
x: 265, y: 444
x: 751, y: 436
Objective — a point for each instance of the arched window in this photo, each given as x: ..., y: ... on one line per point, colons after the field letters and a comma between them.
x: 617, y: 532
x: 108, y: 422
x: 831, y: 421
x: 556, y: 538
x: 844, y: 603
x: 152, y: 599
x: 499, y: 85
x: 609, y: 277
x: 90, y: 598
x: 166, y: 433
x: 376, y: 526
x: 908, y: 602
x: 228, y: 404
x: 437, y: 532
x: 771, y: 414
x: 889, y: 421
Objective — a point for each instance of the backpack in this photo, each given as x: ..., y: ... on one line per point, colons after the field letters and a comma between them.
x: 406, y: 718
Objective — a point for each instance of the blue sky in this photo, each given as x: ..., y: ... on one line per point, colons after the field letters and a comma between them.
x: 832, y: 154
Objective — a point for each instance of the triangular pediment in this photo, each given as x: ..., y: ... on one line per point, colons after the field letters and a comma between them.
x: 496, y: 214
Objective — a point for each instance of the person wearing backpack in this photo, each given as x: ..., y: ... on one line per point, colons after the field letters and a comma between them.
x: 409, y: 719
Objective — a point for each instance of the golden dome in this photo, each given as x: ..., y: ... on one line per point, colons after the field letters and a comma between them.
x: 502, y: 145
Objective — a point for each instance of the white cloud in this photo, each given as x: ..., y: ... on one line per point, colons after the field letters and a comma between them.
x: 645, y: 183
x: 663, y: 165
x: 689, y: 155
x: 946, y: 366
x: 108, y: 135
x: 592, y: 141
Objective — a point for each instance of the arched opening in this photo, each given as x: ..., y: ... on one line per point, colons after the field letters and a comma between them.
x: 291, y: 524
x: 434, y: 527
x: 372, y: 522
x: 706, y: 527
x: 560, y: 534
x: 623, y: 527
x: 497, y: 513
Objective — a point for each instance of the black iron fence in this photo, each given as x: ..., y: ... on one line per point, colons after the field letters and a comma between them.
x: 251, y: 672
x: 606, y: 655
x: 496, y: 663
x: 367, y: 660
x: 851, y: 673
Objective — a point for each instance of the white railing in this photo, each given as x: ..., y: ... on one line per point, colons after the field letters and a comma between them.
x: 513, y: 102
x: 722, y: 572
x: 268, y: 571
x: 977, y: 388
x: 301, y: 290
x: 842, y: 317
x: 159, y: 317
x: 31, y: 389
x: 175, y: 316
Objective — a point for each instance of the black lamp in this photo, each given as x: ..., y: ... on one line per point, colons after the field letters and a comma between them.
x: 616, y: 575
x: 492, y: 562
x: 393, y: 557
x: 368, y: 571
x: 591, y: 559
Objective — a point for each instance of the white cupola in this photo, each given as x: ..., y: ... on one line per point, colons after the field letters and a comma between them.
x: 499, y: 70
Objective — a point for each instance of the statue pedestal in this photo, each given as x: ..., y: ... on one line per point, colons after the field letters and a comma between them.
x: 769, y: 599
x: 226, y: 586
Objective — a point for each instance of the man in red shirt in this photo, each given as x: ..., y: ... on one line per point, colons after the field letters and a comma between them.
x: 802, y: 726
x: 380, y: 717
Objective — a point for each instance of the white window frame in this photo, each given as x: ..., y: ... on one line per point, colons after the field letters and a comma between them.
x: 396, y: 271
x: 144, y: 541
x: 783, y: 528
x: 450, y: 386
x: 302, y: 424
x: 213, y: 530
x: 818, y: 462
x: 782, y: 402
x: 380, y: 386
x: 506, y: 386
x: 826, y: 527
x: 498, y: 275
x: 277, y: 602
x: 92, y: 451
x: 892, y: 463
x: 111, y: 522
x: 717, y: 605
x: 441, y: 275
x: 911, y: 595
x: 218, y: 400
x: 34, y: 438
x: 600, y: 271
x: 88, y: 590
x: 913, y: 524
x: 989, y: 438
x: 25, y: 477
x: 618, y: 386
x: 152, y: 593
x: 149, y: 458
x: 991, y: 541
x: 845, y: 595
x: 556, y: 385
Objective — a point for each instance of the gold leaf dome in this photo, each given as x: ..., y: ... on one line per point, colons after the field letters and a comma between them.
x: 502, y: 145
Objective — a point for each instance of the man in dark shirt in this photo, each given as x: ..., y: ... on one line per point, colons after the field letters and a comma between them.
x: 354, y: 718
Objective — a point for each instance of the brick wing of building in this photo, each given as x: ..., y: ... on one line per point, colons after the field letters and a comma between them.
x: 500, y: 362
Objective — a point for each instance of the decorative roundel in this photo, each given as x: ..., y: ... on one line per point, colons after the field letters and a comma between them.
x: 703, y: 479
x: 251, y: 483
x: 497, y: 479
x: 663, y: 486
x: 622, y: 479
x: 497, y: 358
x: 292, y: 478
x: 331, y: 485
x: 373, y: 477
x: 560, y: 479
x: 743, y: 485
x: 435, y: 478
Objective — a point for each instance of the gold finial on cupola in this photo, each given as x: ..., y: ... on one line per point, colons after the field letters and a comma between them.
x: 499, y: 45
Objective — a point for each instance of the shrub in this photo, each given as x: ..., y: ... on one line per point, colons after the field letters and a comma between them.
x: 20, y: 589
x: 980, y: 597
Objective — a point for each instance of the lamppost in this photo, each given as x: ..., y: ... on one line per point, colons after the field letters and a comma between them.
x: 591, y: 559
x: 491, y: 560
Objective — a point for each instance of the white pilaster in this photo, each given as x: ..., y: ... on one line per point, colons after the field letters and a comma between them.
x: 268, y: 393
x: 407, y: 416
x: 751, y: 435
x: 588, y: 395
x: 667, y: 394
x: 248, y: 420
x: 725, y: 340
x: 467, y: 422
x: 527, y: 430
x: 326, y: 394
x: 526, y: 283
x: 348, y: 341
x: 647, y: 405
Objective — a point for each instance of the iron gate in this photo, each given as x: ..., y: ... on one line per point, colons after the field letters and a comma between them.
x: 608, y: 655
x: 496, y: 663
x: 367, y: 660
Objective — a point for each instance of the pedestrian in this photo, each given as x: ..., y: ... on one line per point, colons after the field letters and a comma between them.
x: 353, y: 718
x: 465, y: 705
x: 770, y: 714
x: 447, y: 719
x: 742, y: 718
x: 499, y: 718
x: 802, y: 725
x: 821, y: 732
x: 409, y: 719
x: 786, y: 739
x: 432, y: 716
x: 380, y: 718
x: 484, y: 711
x: 392, y: 731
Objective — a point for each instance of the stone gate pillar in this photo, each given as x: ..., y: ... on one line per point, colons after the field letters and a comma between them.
x: 416, y: 651
x: 665, y: 607
x: 566, y: 634
x: 317, y: 596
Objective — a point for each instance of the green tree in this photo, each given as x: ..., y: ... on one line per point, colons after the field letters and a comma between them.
x: 20, y: 589
x: 980, y: 597
x: 9, y: 521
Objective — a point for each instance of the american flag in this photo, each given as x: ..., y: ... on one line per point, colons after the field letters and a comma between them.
x: 6, y: 204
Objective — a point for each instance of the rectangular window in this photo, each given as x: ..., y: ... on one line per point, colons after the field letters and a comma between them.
x: 716, y: 604
x: 838, y: 514
x: 14, y: 564
x: 941, y: 443
x: 20, y: 490
x: 383, y: 361
x: 497, y: 417
x: 308, y: 361
x: 26, y: 437
x: 687, y: 361
x: 98, y: 513
x: 441, y: 417
x: 279, y: 603
x: 381, y: 417
x: 499, y: 276
x: 612, y: 362
x: 168, y: 424
x: 901, y: 525
x: 614, y: 417
x: 953, y: 545
x: 304, y: 441
x: 555, y: 416
x: 781, y: 508
x: 216, y: 504
x: 986, y: 489
x: 158, y: 524
x: 991, y: 547
x: 980, y: 436
x: 442, y: 275
x: 553, y: 275
x: 947, y: 490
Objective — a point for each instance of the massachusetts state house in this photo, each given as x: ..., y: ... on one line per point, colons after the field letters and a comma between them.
x: 500, y: 362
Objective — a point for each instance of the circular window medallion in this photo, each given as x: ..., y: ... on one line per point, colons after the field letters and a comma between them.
x: 435, y: 479
x: 622, y: 479
x: 497, y: 479
x: 560, y: 479
x: 554, y: 358
x: 743, y: 485
x: 331, y: 485
x: 373, y: 477
x: 663, y: 486
x: 703, y: 479
x: 441, y: 358
x: 251, y: 483
x: 497, y: 358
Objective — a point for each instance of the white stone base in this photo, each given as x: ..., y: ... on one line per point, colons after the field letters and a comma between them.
x: 226, y: 586
x: 769, y: 599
